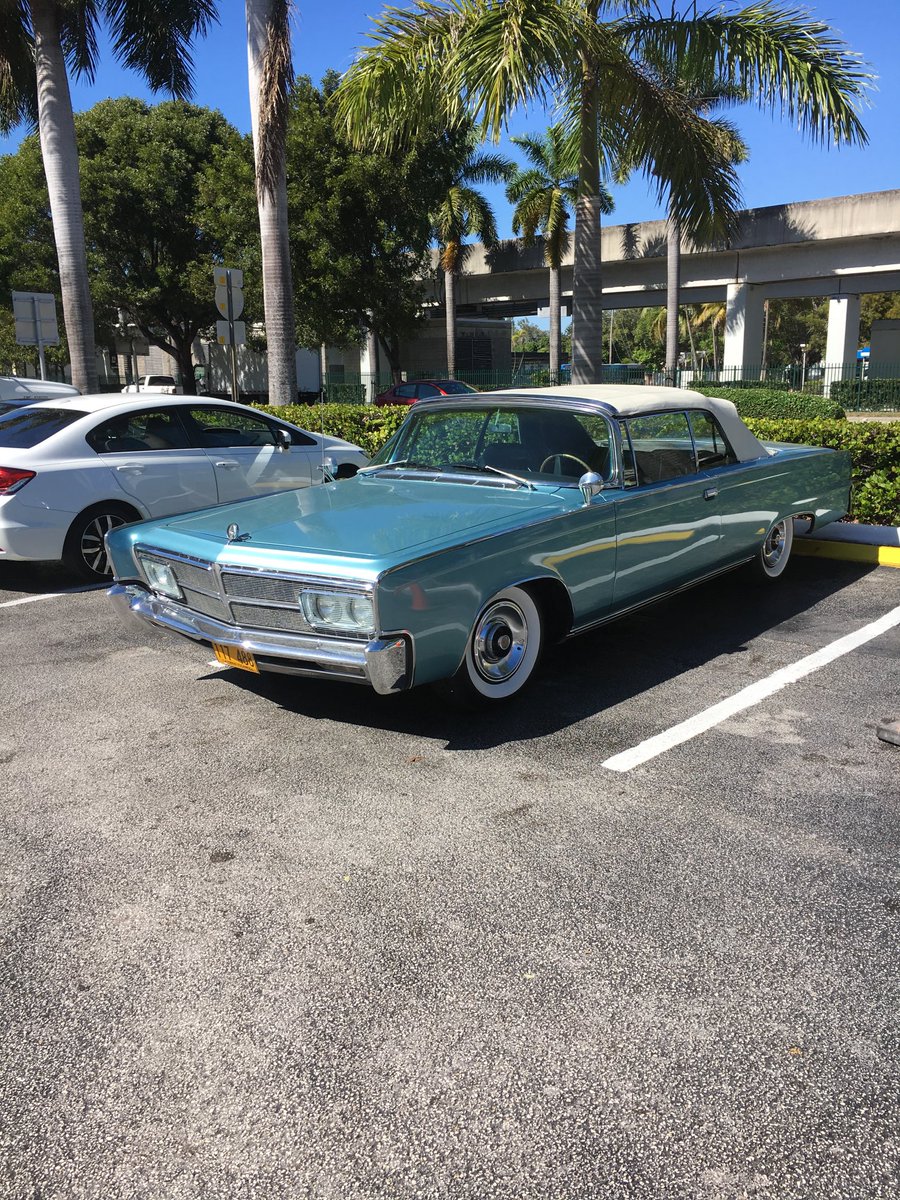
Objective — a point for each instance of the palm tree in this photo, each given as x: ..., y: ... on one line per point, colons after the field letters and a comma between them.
x: 713, y: 315
x: 270, y: 74
x: 721, y: 221
x: 430, y: 63
x: 463, y: 213
x: 52, y: 37
x: 544, y: 195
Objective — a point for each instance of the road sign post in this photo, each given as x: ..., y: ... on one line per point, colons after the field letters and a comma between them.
x: 35, y: 315
x: 230, y: 303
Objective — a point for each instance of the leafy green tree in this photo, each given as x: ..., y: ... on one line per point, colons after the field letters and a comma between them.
x: 360, y: 229
x: 529, y: 338
x: 463, y: 212
x: 544, y: 195
x: 150, y: 176
x: 440, y: 59
x: 40, y: 42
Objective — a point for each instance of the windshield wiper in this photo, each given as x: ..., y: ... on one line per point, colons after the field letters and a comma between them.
x: 401, y: 462
x: 509, y: 475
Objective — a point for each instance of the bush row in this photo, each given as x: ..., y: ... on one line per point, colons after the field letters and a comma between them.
x: 873, y: 395
x: 765, y: 402
x: 874, y: 448
x: 362, y: 424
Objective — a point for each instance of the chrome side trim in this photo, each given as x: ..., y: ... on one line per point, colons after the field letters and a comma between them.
x: 385, y: 663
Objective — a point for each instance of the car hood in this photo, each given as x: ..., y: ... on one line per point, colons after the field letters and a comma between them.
x: 357, y: 527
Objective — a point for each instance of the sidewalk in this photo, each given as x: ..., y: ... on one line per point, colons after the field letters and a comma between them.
x: 877, y: 544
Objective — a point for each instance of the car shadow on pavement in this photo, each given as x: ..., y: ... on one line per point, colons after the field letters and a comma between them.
x: 36, y: 578
x: 590, y: 673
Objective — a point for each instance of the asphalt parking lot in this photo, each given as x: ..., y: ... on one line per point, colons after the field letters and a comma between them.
x: 272, y: 938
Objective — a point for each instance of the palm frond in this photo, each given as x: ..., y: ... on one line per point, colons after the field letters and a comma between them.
x: 787, y: 59
x: 154, y: 37
x: 397, y: 87
x: 18, y: 91
x: 78, y: 37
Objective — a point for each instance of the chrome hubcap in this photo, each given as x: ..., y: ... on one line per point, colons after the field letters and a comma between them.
x: 93, y: 548
x: 773, y: 548
x: 500, y: 641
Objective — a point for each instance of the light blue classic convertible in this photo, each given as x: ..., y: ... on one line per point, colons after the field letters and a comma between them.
x: 488, y: 527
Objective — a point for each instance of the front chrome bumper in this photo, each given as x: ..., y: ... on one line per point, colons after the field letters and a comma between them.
x: 384, y: 663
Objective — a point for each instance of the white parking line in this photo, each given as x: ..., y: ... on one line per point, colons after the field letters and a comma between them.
x: 88, y: 587
x: 755, y: 693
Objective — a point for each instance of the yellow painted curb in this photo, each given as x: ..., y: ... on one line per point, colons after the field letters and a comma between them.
x: 881, y: 556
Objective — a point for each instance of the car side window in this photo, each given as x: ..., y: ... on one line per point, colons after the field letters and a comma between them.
x: 136, y: 432
x: 663, y: 447
x: 424, y: 390
x: 713, y: 449
x: 221, y: 428
x: 406, y: 390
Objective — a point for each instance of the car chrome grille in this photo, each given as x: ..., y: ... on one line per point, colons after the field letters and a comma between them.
x: 211, y: 606
x: 259, y: 617
x: 252, y: 600
x: 261, y: 587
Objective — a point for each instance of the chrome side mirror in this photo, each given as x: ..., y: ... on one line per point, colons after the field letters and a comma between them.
x: 282, y: 438
x: 591, y: 485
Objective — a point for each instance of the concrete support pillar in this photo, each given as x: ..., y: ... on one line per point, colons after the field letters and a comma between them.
x: 843, y: 336
x: 743, y: 331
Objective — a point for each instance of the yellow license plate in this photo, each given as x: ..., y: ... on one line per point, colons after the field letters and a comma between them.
x: 234, y: 656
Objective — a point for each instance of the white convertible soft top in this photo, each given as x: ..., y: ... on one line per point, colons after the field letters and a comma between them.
x: 634, y: 400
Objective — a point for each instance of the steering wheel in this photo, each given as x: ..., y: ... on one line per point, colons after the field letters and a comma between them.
x: 558, y: 457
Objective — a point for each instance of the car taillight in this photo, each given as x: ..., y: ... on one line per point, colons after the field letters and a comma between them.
x: 11, y: 479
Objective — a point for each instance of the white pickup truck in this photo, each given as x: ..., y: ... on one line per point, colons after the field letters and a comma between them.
x: 155, y: 383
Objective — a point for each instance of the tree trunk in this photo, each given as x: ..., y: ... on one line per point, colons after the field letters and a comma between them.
x: 587, y: 269
x: 60, y: 153
x: 555, y: 325
x: 673, y: 288
x: 278, y: 294
x: 450, y: 305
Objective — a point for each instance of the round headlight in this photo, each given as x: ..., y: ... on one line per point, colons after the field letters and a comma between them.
x: 361, y: 611
x: 329, y: 608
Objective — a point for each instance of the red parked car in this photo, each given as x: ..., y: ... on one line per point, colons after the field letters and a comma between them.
x: 420, y: 389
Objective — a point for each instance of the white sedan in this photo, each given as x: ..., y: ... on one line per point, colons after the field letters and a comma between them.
x: 72, y: 469
x: 16, y: 391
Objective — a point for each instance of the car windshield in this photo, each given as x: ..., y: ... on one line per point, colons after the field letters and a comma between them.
x: 539, y: 444
x: 24, y: 427
x: 453, y: 387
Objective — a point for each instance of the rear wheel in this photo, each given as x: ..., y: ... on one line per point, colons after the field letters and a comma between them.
x: 502, y: 652
x: 776, y: 550
x: 85, y: 548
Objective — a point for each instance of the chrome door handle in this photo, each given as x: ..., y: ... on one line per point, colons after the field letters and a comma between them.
x: 130, y: 469
x: 710, y: 493
x: 227, y: 463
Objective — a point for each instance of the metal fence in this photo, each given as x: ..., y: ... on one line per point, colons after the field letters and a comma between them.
x: 852, y: 385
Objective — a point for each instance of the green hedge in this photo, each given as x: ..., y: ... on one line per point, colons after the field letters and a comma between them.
x: 362, y: 424
x: 874, y: 448
x: 777, y: 403
x: 872, y: 395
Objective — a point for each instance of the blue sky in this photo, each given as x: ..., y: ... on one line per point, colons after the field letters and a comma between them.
x: 782, y: 166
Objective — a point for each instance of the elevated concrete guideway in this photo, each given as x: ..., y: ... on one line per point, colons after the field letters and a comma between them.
x: 841, y: 248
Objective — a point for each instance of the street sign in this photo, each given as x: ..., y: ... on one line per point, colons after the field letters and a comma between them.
x: 224, y: 335
x: 221, y: 276
x: 230, y: 303
x: 35, y: 314
x: 237, y: 301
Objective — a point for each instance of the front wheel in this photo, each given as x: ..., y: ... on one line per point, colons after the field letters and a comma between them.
x: 502, y: 652
x: 776, y: 550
